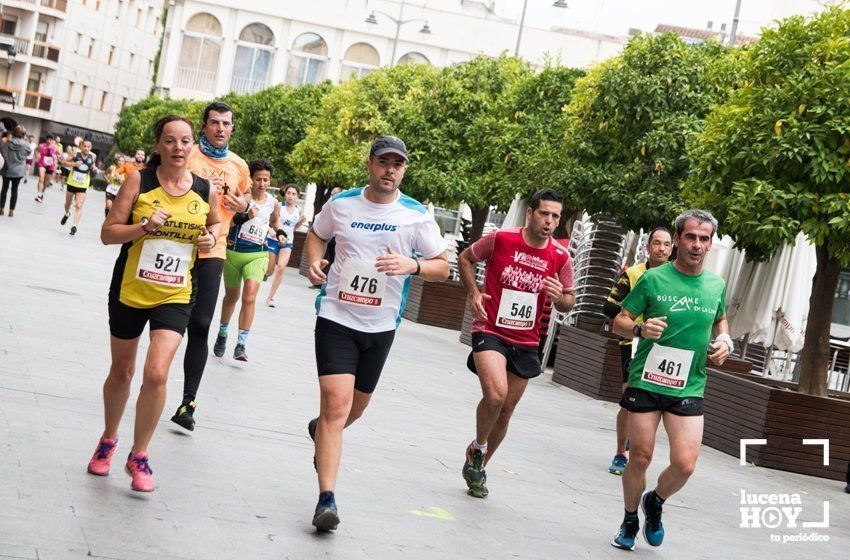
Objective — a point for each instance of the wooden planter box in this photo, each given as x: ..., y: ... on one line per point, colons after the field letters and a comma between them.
x: 738, y: 407
x: 297, y: 250
x: 589, y: 362
x: 303, y: 265
x: 466, y: 325
x: 439, y: 304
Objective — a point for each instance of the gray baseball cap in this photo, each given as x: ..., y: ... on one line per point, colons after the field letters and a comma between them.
x: 388, y: 145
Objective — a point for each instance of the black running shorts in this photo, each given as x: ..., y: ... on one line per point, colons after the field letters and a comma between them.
x: 340, y: 349
x: 127, y: 322
x: 641, y: 400
x: 522, y: 362
x: 76, y: 190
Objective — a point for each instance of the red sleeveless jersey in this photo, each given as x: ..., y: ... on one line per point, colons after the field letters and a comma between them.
x: 514, y: 282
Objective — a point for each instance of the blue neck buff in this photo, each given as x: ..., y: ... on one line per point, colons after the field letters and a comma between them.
x: 209, y: 150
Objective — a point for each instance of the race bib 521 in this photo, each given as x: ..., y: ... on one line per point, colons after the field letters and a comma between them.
x: 164, y: 262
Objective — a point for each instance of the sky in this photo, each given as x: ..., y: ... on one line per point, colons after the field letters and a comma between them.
x: 616, y: 17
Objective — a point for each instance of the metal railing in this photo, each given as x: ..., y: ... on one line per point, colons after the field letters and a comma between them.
x: 43, y: 50
x: 22, y: 46
x: 32, y: 99
x: 194, y: 78
x: 61, y: 5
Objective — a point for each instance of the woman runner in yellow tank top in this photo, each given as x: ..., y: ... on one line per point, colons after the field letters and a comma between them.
x: 162, y: 216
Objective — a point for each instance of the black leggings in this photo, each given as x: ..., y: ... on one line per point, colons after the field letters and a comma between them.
x: 208, y: 278
x: 14, y: 181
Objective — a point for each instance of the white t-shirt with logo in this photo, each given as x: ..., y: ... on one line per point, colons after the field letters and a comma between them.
x: 289, y: 220
x: 355, y: 294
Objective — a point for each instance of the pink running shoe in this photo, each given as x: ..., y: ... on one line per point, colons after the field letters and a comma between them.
x: 138, y: 468
x: 100, y: 461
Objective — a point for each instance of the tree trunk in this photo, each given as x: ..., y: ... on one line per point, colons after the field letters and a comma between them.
x: 479, y: 218
x: 322, y: 196
x: 565, y: 226
x: 814, y: 362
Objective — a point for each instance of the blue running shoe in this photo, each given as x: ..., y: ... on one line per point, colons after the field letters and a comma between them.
x: 653, y: 529
x: 625, y: 538
x: 618, y: 465
x: 326, y: 517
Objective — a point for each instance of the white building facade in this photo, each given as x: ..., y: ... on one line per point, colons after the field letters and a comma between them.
x: 77, y: 63
x: 213, y: 47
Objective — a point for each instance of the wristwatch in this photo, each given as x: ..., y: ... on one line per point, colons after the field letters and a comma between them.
x: 418, y: 268
x: 637, y: 330
x: 144, y: 224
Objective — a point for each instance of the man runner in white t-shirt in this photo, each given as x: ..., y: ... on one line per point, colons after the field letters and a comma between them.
x: 382, y: 237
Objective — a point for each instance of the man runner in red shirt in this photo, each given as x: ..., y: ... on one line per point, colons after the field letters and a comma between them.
x: 524, y: 266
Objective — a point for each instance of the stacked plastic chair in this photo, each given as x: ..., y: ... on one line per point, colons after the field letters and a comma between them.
x: 597, y: 247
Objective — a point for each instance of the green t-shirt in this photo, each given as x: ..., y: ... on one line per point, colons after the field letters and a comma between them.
x: 691, y: 304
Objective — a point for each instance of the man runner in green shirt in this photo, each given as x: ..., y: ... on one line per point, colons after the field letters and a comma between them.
x: 681, y: 305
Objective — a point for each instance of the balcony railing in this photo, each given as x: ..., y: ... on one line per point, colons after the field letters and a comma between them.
x: 61, y: 5
x: 36, y: 100
x: 22, y: 46
x: 242, y: 85
x: 192, y: 78
x: 43, y: 50
x: 32, y: 99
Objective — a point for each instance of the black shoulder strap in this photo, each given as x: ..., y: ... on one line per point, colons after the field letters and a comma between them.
x: 148, y: 180
x: 202, y: 187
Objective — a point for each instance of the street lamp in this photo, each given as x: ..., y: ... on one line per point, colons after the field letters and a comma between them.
x: 557, y: 4
x: 426, y: 29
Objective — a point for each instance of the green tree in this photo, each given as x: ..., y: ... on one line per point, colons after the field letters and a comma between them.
x: 336, y: 144
x: 628, y: 121
x: 455, y: 126
x: 534, y: 143
x: 773, y: 161
x: 135, y: 123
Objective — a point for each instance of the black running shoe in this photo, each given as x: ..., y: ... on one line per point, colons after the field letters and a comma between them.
x: 220, y: 346
x: 326, y: 517
x: 239, y: 353
x: 185, y: 416
x: 474, y: 473
x: 65, y: 218
x: 311, y: 429
x: 73, y: 230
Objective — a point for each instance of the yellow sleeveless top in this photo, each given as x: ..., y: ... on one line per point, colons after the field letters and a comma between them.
x: 156, y: 268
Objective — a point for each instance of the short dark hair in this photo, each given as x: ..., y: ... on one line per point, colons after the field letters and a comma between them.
x: 656, y: 230
x: 218, y: 107
x: 261, y: 164
x: 544, y: 194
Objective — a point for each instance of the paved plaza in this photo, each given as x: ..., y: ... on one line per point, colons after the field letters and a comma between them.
x: 242, y: 485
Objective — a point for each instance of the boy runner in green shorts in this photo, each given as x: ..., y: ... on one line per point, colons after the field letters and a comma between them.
x: 681, y: 305
x: 248, y: 257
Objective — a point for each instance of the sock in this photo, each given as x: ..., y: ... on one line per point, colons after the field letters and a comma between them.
x: 476, y: 445
x: 654, y: 501
x: 326, y: 497
x: 631, y: 515
x: 222, y: 329
x: 243, y: 336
